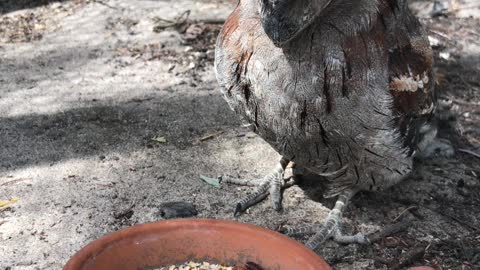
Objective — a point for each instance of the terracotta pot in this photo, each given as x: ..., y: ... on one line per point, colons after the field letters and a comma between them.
x: 176, y: 241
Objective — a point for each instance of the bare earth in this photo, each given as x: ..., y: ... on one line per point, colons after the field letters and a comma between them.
x: 85, y: 87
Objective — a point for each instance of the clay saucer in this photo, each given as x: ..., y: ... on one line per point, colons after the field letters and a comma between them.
x: 176, y: 241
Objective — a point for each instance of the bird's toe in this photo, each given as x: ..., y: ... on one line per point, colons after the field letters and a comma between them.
x: 437, y: 148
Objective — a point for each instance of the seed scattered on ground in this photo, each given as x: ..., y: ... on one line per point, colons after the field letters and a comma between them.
x: 197, y: 266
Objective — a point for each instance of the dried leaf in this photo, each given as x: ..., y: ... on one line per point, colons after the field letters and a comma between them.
x: 8, y: 203
x: 159, y: 139
x: 211, y: 181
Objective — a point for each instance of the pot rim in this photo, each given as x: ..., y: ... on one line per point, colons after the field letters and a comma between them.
x: 98, y: 245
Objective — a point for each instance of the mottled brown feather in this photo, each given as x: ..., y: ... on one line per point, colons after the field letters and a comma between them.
x: 339, y: 98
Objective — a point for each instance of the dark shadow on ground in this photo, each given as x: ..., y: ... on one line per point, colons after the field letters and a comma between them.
x: 34, y: 69
x: 7, y: 6
x: 98, y: 129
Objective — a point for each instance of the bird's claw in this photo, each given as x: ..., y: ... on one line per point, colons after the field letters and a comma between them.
x: 281, y: 177
x: 330, y: 229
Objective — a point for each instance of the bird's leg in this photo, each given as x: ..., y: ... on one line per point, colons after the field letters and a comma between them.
x: 282, y: 176
x: 330, y: 227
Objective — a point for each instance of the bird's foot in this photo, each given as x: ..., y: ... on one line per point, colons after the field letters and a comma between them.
x: 282, y: 176
x: 330, y: 227
x: 323, y: 232
x: 437, y: 148
x: 433, y: 146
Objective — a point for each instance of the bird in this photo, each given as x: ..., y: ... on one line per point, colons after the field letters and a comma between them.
x: 343, y: 89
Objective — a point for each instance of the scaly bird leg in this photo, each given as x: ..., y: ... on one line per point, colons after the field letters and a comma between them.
x: 271, y: 184
x: 330, y: 227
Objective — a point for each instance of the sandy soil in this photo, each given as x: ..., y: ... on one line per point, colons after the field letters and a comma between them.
x: 87, y: 86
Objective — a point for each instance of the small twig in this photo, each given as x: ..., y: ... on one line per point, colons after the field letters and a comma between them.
x: 459, y: 221
x: 161, y: 23
x: 103, y: 3
x: 461, y: 102
x: 428, y: 247
x: 464, y: 7
x: 105, y: 185
x: 211, y: 136
x: 440, y: 34
x: 389, y: 230
x: 404, y: 211
x: 15, y: 181
x: 473, y: 33
x: 466, y: 151
x: 211, y: 21
x: 239, y: 182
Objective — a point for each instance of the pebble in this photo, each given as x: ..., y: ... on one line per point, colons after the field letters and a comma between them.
x: 177, y: 210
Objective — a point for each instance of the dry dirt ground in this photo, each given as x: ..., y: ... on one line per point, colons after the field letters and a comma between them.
x: 104, y: 109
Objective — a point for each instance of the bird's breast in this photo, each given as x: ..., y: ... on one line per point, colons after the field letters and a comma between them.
x: 309, y: 97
